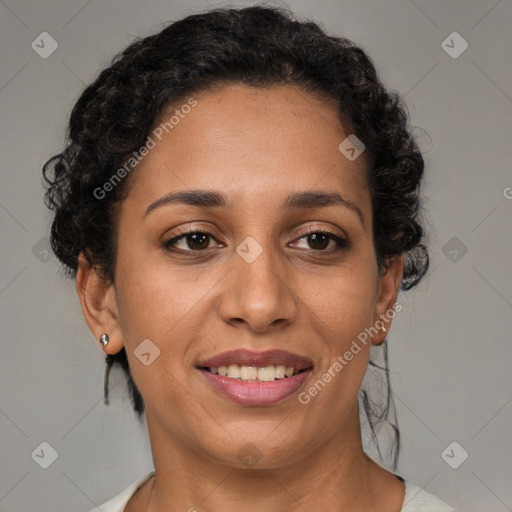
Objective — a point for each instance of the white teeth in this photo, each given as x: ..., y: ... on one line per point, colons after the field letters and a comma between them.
x: 247, y: 373
x: 267, y: 373
x: 234, y: 371
x: 280, y: 371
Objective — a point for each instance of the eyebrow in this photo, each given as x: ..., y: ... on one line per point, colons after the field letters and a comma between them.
x: 297, y: 200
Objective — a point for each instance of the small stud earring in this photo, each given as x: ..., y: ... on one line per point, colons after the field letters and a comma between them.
x: 104, y: 339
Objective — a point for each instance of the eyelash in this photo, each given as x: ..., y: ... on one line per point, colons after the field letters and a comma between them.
x: 342, y: 243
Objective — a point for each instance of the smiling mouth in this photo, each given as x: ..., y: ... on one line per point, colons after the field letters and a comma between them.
x: 254, y: 378
x: 255, y: 386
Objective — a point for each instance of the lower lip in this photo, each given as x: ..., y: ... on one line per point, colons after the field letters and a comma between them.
x: 256, y: 393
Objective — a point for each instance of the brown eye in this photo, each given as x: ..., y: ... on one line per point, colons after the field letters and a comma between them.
x: 318, y: 241
x: 190, y: 242
x: 198, y: 241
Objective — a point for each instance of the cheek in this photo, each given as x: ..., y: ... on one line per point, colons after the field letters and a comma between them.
x: 341, y: 311
x: 156, y: 301
x: 165, y: 308
x: 345, y: 305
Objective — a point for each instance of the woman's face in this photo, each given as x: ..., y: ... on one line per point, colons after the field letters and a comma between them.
x: 255, y: 277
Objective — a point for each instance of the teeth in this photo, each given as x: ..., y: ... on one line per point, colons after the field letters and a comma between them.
x: 280, y: 371
x: 248, y: 372
x: 251, y: 373
x: 267, y: 373
x: 234, y: 371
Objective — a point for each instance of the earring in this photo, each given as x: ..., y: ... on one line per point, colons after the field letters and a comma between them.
x: 104, y: 339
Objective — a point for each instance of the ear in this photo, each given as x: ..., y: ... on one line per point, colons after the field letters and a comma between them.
x: 99, y: 305
x: 388, y: 287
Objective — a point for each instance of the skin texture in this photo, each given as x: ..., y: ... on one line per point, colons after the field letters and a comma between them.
x: 255, y: 146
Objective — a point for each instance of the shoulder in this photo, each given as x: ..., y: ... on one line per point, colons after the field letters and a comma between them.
x: 418, y: 500
x: 118, y: 503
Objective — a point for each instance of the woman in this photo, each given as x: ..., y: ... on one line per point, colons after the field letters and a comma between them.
x: 238, y: 202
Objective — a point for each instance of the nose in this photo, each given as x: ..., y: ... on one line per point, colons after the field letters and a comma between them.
x: 258, y: 295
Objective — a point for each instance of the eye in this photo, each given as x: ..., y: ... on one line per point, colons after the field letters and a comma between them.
x: 323, y: 241
x: 191, y: 241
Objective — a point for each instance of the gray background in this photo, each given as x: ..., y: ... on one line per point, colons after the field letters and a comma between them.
x: 450, y: 347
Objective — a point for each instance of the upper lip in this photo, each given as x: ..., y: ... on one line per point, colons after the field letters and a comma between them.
x: 254, y: 358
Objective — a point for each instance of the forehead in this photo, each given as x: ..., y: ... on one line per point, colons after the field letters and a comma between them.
x: 248, y: 141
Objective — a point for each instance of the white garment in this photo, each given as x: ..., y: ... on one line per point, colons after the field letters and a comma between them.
x: 416, y: 499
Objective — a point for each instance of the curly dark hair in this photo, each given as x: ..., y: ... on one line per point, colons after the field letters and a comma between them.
x: 259, y: 46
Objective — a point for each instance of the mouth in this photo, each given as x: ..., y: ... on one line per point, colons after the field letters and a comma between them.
x: 256, y: 378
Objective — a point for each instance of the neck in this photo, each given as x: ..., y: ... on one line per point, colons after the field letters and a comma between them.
x: 336, y: 475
